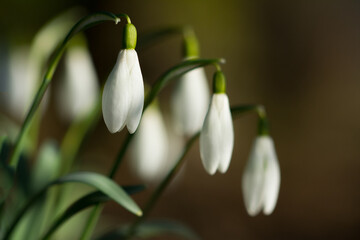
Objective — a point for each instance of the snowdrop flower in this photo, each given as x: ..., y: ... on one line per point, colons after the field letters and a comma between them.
x: 150, y: 146
x: 217, y: 134
x: 190, y: 101
x: 123, y: 96
x: 19, y: 88
x: 261, y: 178
x: 19, y: 83
x: 78, y: 92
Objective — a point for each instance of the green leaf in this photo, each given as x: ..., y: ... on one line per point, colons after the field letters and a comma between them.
x: 105, y: 185
x: 43, y: 172
x: 85, y: 202
x: 152, y: 229
x: 98, y: 181
x: 83, y: 24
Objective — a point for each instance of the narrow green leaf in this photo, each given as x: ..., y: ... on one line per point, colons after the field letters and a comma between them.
x: 83, y: 24
x: 104, y: 185
x: 98, y: 181
x: 85, y: 202
x: 152, y: 229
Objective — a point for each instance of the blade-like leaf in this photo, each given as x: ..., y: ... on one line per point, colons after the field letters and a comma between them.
x: 105, y: 185
x: 83, y: 24
x: 152, y: 229
x: 98, y: 181
x: 85, y: 202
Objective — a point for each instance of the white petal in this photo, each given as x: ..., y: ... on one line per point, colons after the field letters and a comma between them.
x: 150, y: 147
x: 136, y: 88
x: 210, y: 138
x: 253, y: 180
x: 78, y: 91
x: 272, y: 178
x: 20, y: 86
x: 190, y: 101
x: 115, y: 99
x: 227, y: 130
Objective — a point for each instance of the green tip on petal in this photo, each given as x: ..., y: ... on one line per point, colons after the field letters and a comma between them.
x: 129, y: 36
x: 219, y: 82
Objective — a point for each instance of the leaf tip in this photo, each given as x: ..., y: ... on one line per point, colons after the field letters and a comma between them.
x: 139, y: 213
x: 117, y: 20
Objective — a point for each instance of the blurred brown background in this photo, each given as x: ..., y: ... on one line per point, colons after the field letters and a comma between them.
x: 301, y: 59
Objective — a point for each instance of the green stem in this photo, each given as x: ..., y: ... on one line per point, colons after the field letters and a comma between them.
x: 241, y: 109
x: 169, y: 75
x: 120, y: 156
x: 177, y: 71
x: 75, y: 137
x: 160, y: 189
x: 24, y: 209
x: 236, y: 111
x: 83, y: 24
x: 95, y: 213
x: 91, y: 223
x: 263, y: 128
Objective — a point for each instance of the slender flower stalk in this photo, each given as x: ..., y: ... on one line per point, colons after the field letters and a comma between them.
x: 261, y: 178
x: 84, y: 23
x: 169, y: 75
x: 217, y: 134
x: 123, y: 96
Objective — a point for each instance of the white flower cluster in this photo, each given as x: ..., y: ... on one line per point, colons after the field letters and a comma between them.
x: 123, y: 101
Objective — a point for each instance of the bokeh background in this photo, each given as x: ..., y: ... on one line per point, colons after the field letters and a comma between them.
x: 301, y: 59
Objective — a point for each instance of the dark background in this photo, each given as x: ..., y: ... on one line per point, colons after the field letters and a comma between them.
x: 301, y: 59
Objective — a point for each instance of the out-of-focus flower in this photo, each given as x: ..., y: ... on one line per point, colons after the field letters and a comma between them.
x: 78, y: 91
x: 261, y: 178
x: 217, y: 134
x: 190, y: 101
x: 19, y: 87
x: 150, y: 147
x: 123, y: 96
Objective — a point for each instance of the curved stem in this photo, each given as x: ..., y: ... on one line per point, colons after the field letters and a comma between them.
x: 169, y: 75
x: 120, y: 155
x: 160, y: 189
x: 177, y: 71
x: 83, y: 24
x: 263, y: 128
x: 75, y: 137
x: 235, y: 111
x: 241, y: 109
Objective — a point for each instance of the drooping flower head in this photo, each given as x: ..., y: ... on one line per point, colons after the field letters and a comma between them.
x: 150, y: 146
x: 190, y: 101
x: 261, y: 178
x: 79, y: 90
x: 123, y: 96
x: 191, y: 97
x: 217, y: 134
